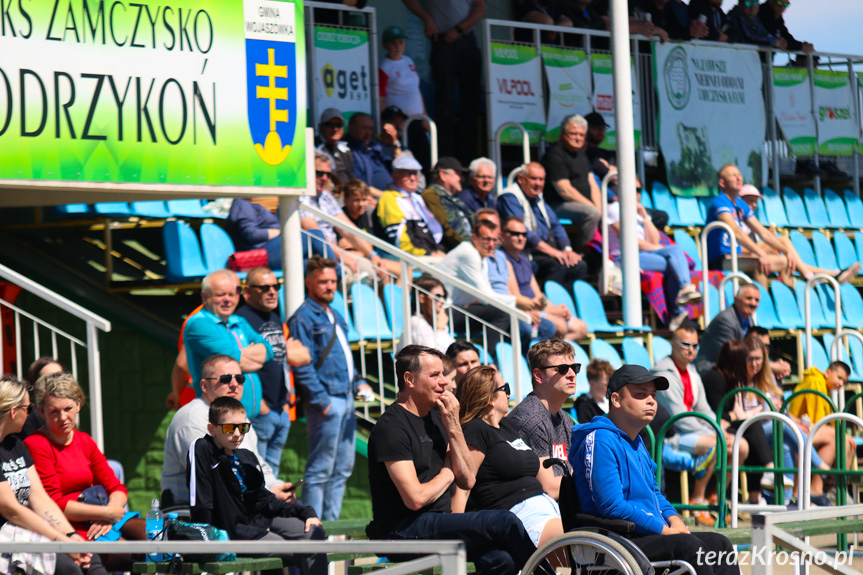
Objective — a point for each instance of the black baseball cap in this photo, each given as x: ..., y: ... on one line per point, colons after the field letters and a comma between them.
x: 449, y: 163
x: 391, y: 113
x: 632, y: 373
x: 596, y: 119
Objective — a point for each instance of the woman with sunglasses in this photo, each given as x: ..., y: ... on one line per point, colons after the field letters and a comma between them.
x: 430, y: 325
x: 509, y: 475
x: 23, y: 500
x: 75, y: 474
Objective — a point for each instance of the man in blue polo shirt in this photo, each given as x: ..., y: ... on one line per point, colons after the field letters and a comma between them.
x: 758, y: 258
x: 215, y: 329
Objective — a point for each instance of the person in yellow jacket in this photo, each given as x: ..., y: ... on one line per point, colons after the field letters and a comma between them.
x: 811, y: 407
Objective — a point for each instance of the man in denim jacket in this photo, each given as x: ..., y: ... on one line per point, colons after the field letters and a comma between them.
x: 329, y: 383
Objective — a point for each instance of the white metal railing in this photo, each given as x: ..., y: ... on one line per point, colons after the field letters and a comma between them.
x: 734, y: 276
x: 496, y: 153
x: 806, y: 486
x: 408, y: 261
x: 836, y: 355
x: 807, y: 308
x: 92, y: 322
x: 432, y: 134
x: 705, y: 264
x: 605, y: 271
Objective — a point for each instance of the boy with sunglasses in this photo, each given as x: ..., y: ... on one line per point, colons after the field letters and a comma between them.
x: 226, y: 487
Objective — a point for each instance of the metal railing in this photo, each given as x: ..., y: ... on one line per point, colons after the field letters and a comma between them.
x: 496, y: 152
x: 409, y: 261
x: 807, y: 308
x: 93, y: 323
x: 432, y: 134
x: 705, y: 264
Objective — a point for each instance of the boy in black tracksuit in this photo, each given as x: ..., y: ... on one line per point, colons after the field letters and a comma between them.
x: 226, y: 489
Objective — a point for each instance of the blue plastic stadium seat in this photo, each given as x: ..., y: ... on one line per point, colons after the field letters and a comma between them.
x: 852, y: 304
x: 804, y: 248
x: 368, y: 313
x: 634, y: 352
x: 504, y: 355
x: 150, y: 209
x: 836, y: 210
x: 217, y: 246
x: 557, y: 295
x: 858, y: 241
x: 339, y: 305
x: 824, y: 254
x: 646, y: 200
x: 704, y: 205
x: 855, y: 208
x: 819, y: 355
x: 819, y: 320
x: 816, y: 209
x: 687, y: 244
x: 828, y: 304
x: 661, y: 348
x: 713, y: 296
x: 766, y: 312
x: 601, y: 349
x: 120, y: 209
x: 76, y: 210
x: 663, y: 200
x: 786, y: 306
x: 774, y: 208
x: 689, y: 212
x: 761, y: 211
x: 795, y: 209
x: 856, y: 374
x: 857, y: 357
x: 581, y: 384
x: 187, y: 209
x: 183, y: 259
x: 393, y: 304
x: 846, y: 254
x: 592, y: 311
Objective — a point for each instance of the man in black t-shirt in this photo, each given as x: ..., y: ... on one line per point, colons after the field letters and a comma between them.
x: 262, y: 312
x: 416, y: 454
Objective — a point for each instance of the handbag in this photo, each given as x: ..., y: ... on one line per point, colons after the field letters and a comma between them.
x: 181, y: 531
x: 95, y: 495
x: 244, y: 261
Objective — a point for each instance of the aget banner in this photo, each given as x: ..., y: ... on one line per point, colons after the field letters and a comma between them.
x: 188, y: 92
x: 792, y: 102
x: 711, y: 113
x: 603, y: 98
x: 838, y: 132
x: 342, y: 73
x: 569, y: 88
x: 516, y: 91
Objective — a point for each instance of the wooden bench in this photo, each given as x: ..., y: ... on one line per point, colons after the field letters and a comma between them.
x: 218, y: 567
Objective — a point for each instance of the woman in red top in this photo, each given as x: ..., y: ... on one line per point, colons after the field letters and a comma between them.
x: 69, y: 461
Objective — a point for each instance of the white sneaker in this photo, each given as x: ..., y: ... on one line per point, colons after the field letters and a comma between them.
x: 768, y: 482
x: 677, y: 321
x: 688, y: 295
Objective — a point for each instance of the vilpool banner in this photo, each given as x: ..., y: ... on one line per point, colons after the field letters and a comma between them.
x: 342, y: 79
x: 568, y: 75
x: 516, y: 91
x: 792, y: 102
x: 711, y: 113
x: 837, y: 130
x: 194, y: 92
x: 603, y: 98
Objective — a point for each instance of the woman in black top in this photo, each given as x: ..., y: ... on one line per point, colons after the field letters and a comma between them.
x: 509, y: 474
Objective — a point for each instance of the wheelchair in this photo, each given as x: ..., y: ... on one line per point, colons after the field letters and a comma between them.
x: 593, y: 545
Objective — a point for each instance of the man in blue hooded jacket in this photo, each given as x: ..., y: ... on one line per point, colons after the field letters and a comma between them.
x: 616, y: 477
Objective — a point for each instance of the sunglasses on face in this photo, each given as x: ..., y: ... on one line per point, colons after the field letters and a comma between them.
x: 29, y: 407
x: 564, y: 368
x: 322, y: 174
x: 334, y: 125
x: 226, y: 378
x: 750, y: 3
x: 504, y: 388
x: 686, y: 345
x: 228, y: 428
x: 517, y: 234
x: 783, y: 4
x: 266, y: 287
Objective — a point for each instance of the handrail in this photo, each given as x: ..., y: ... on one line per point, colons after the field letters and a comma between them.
x: 432, y: 134
x: 816, y: 279
x: 836, y: 355
x: 705, y: 265
x: 525, y: 149
x: 606, y: 263
x: 840, y: 455
x: 734, y: 276
x: 721, y: 456
x: 733, y: 392
x: 735, y: 457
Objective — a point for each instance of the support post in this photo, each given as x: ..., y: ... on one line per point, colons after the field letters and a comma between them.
x: 292, y: 250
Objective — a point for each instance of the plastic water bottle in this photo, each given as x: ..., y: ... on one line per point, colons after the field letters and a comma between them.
x: 155, y: 525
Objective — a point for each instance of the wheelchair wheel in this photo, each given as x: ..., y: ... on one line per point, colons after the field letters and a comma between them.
x: 582, y: 553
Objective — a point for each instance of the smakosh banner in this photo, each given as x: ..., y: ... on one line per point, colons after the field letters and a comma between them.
x: 342, y: 71
x: 603, y: 98
x: 569, y: 88
x: 711, y: 113
x: 516, y: 91
x: 194, y: 92
x: 792, y: 103
x: 837, y: 131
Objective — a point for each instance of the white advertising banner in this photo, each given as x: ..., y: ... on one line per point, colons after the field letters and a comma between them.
x: 792, y: 102
x: 837, y: 131
x: 569, y: 89
x: 342, y: 75
x: 711, y: 113
x: 603, y: 98
x: 516, y: 91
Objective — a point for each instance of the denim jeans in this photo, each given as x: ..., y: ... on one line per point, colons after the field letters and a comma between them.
x: 272, y: 429
x: 331, y: 455
x: 672, y: 262
x: 494, y: 540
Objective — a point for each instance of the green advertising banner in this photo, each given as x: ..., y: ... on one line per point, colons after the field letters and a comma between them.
x: 189, y: 92
x: 516, y: 91
x: 342, y: 76
x: 603, y: 98
x: 568, y: 74
x: 834, y: 112
x: 792, y: 102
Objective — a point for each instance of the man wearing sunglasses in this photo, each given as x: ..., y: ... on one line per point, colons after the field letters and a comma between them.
x: 744, y: 27
x: 331, y: 132
x: 540, y: 417
x: 216, y: 329
x: 220, y: 377
x: 771, y: 15
x: 277, y: 387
